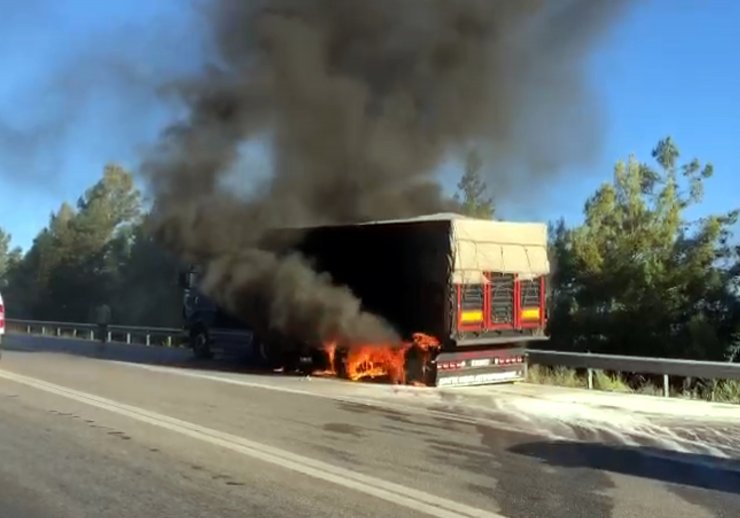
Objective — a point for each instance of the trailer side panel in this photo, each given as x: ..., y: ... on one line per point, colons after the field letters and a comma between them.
x: 400, y: 271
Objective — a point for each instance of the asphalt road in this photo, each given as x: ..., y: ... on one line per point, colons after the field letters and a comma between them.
x: 83, y: 436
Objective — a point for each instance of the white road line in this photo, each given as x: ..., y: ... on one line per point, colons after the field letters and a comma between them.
x: 384, y: 404
x: 676, y: 443
x: 395, y: 493
x: 223, y: 379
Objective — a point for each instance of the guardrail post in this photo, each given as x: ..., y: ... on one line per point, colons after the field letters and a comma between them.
x: 92, y: 334
x: 110, y: 336
x: 590, y: 379
x: 666, y: 386
x: 169, y: 341
x: 59, y: 331
x: 128, y: 338
x: 28, y: 329
x: 74, y: 333
x: 526, y: 367
x: 43, y: 330
x: 148, y: 339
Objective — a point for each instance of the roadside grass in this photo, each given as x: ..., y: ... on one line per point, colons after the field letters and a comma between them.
x: 559, y: 376
x: 715, y: 391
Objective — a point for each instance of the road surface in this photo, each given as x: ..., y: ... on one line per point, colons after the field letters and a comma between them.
x: 83, y: 436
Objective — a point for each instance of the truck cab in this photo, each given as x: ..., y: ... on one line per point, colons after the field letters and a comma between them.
x: 209, y: 328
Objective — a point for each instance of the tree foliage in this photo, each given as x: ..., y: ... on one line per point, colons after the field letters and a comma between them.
x: 638, y: 276
x: 472, y: 189
x: 93, y: 253
x: 8, y: 257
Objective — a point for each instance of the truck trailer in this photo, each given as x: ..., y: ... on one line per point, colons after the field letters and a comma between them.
x: 478, y: 286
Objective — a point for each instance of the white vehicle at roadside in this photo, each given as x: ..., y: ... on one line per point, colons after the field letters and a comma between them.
x: 2, y: 319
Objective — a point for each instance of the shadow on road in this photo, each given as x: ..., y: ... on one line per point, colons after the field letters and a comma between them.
x: 687, y: 469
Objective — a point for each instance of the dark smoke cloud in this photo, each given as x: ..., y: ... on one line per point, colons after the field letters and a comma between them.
x: 362, y: 100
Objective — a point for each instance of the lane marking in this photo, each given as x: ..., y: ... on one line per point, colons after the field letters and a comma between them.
x: 634, y: 438
x: 374, y: 403
x: 529, y: 428
x: 389, y: 491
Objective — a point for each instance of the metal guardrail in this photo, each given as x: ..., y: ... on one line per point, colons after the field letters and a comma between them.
x: 665, y: 367
x: 150, y: 336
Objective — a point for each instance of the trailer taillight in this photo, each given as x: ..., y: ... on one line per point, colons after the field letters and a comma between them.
x: 480, y: 362
x: 508, y: 360
x: 2, y: 317
x: 450, y: 365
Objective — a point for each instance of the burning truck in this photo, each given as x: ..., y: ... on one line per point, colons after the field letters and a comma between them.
x: 467, y: 294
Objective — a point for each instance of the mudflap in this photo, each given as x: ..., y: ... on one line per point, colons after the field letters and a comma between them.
x: 480, y: 367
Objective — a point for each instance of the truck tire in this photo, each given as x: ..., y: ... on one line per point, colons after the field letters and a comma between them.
x: 266, y: 353
x: 200, y: 342
x: 264, y: 356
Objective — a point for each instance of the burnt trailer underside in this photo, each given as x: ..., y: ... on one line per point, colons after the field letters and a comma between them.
x: 399, y: 271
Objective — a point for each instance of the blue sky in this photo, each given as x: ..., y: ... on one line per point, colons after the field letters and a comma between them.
x: 671, y: 67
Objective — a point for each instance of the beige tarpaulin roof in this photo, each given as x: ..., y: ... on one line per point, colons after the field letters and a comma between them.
x: 498, y: 246
x: 481, y: 245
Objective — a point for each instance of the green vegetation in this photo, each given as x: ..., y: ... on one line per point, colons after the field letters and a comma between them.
x: 472, y: 189
x: 716, y: 391
x: 637, y: 276
x: 93, y: 252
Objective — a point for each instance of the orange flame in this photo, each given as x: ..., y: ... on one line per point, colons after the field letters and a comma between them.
x: 374, y: 361
x: 425, y: 342
x: 371, y: 361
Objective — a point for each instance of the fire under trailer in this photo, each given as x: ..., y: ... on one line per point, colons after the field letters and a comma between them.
x: 478, y: 286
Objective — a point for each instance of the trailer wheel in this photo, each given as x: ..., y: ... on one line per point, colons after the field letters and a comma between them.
x: 201, y: 343
x: 262, y: 355
x: 266, y: 353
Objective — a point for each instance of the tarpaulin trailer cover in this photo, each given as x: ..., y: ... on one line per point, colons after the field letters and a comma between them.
x: 480, y: 245
x: 405, y: 270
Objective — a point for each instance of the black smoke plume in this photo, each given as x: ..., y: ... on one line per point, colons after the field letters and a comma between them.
x: 361, y: 100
